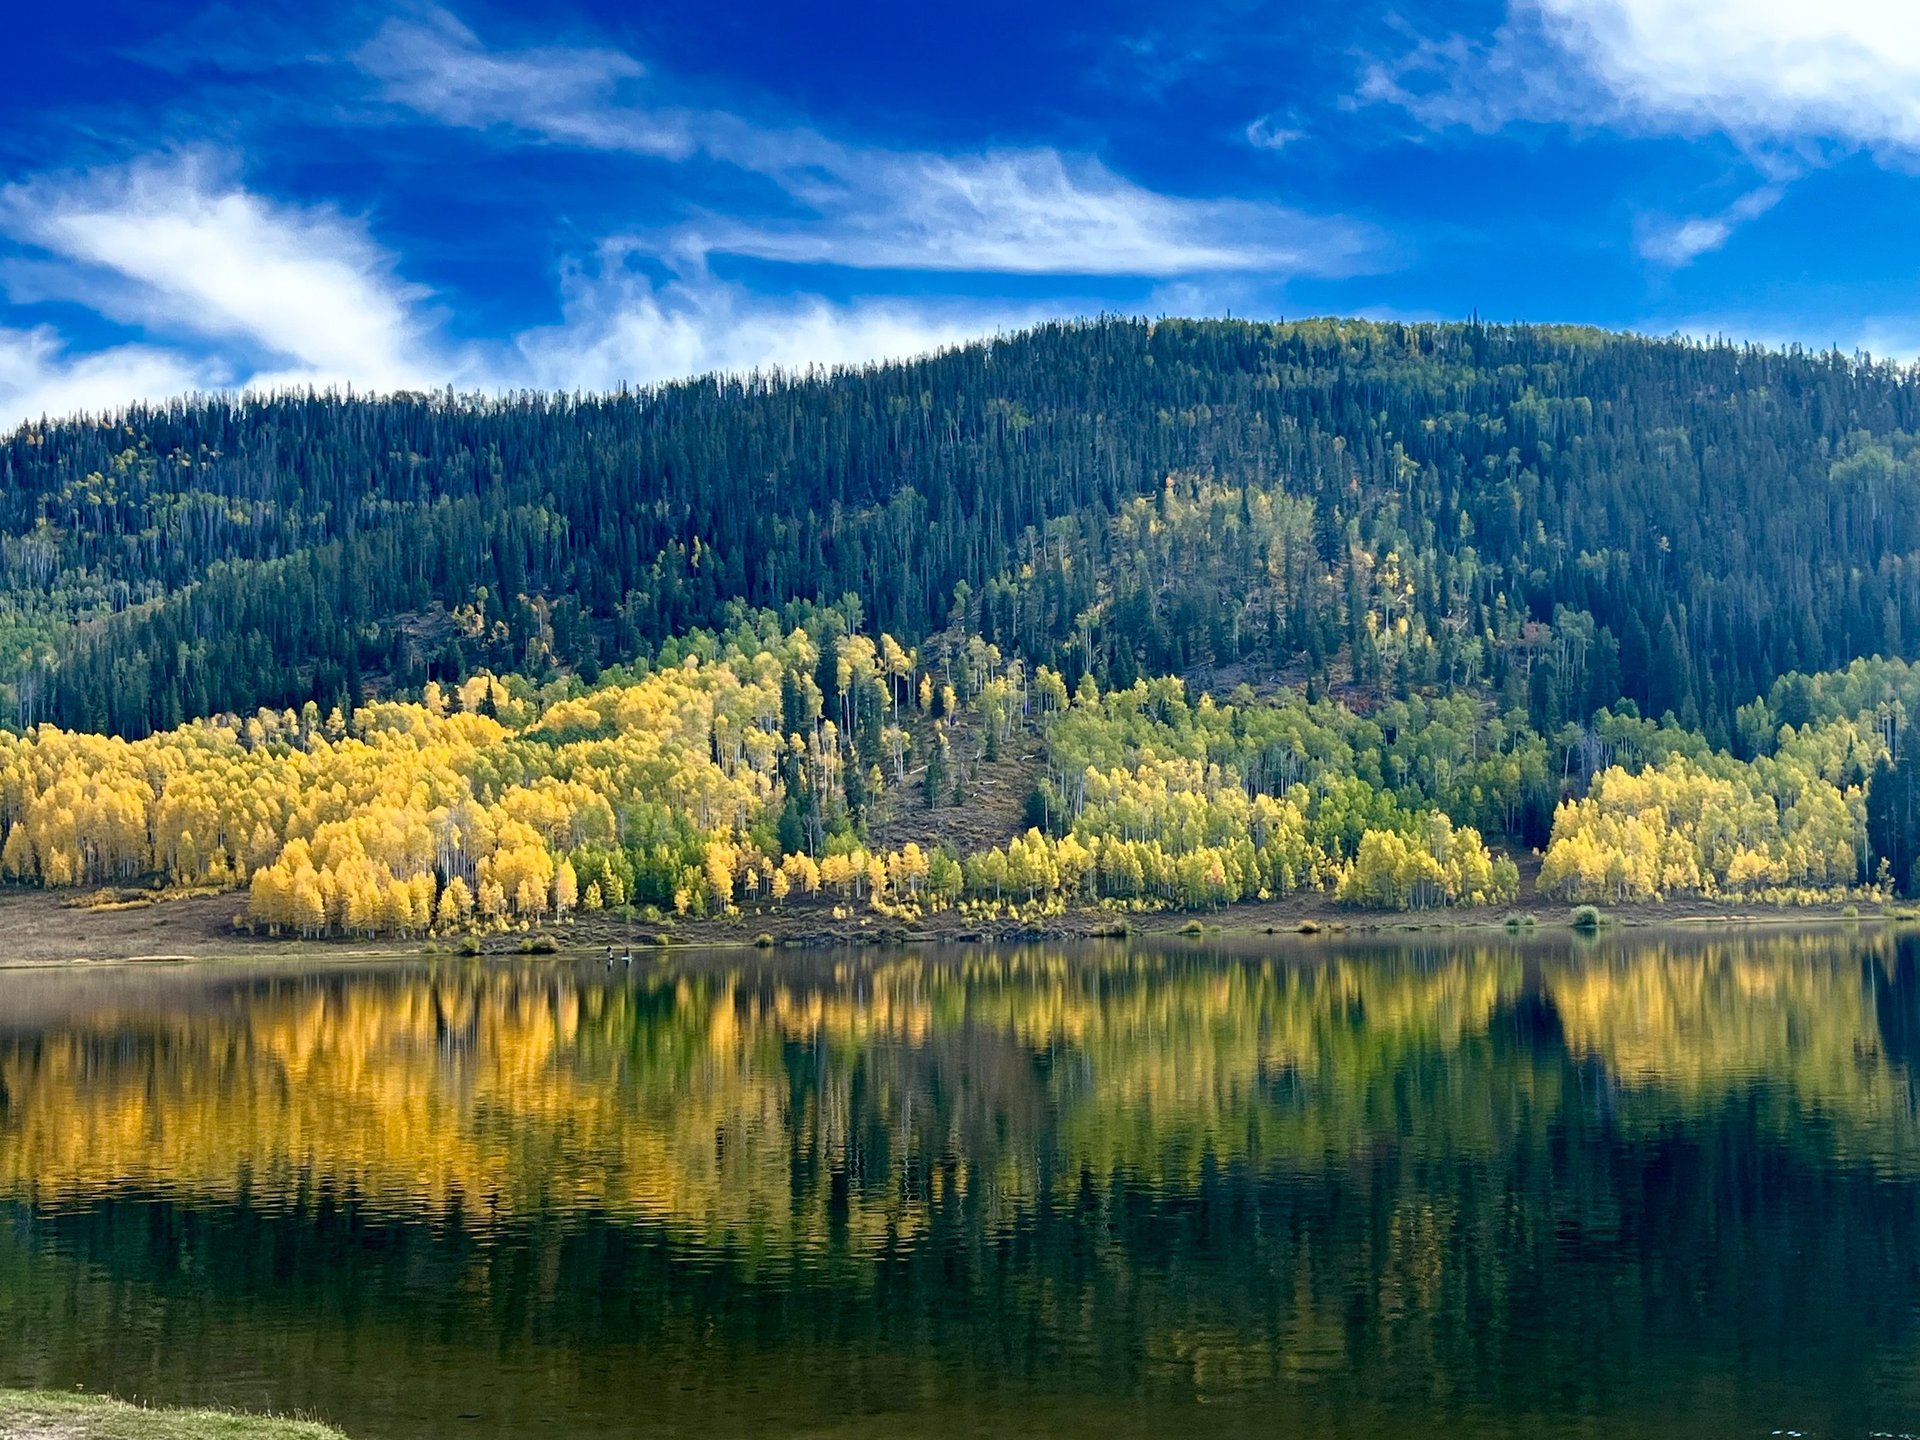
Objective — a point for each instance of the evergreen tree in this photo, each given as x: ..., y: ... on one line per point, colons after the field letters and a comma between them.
x: 938, y: 779
x: 1893, y: 816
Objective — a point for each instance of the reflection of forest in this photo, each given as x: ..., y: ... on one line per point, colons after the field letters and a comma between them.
x: 1442, y: 1174
x: 1809, y: 1030
x: 755, y: 1106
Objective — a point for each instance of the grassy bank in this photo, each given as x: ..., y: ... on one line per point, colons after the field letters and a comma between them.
x: 37, y: 1415
x: 38, y: 927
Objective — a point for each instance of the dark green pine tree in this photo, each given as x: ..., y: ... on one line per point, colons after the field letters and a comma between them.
x: 939, y: 777
x: 1722, y: 513
x: 1893, y: 815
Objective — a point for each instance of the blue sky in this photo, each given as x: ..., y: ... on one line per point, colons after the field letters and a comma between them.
x: 578, y: 194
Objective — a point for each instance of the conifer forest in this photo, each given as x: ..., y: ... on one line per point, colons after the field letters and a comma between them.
x: 1132, y: 616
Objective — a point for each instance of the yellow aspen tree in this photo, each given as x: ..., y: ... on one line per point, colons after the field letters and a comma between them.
x: 270, y: 897
x: 309, y: 904
x: 397, y: 910
x: 492, y: 900
x: 456, y: 904
x: 424, y: 889
x: 801, y: 871
x: 719, y: 871
x: 16, y: 856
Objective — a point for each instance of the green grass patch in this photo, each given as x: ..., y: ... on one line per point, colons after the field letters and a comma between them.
x: 48, y: 1416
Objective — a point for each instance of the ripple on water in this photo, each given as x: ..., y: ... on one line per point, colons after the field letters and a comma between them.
x: 1662, y: 1188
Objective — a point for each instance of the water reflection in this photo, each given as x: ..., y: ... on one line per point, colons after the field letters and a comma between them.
x: 1656, y: 1187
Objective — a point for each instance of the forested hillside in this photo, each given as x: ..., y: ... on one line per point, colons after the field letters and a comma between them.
x: 1113, y: 614
x: 1563, y: 516
x: 729, y: 777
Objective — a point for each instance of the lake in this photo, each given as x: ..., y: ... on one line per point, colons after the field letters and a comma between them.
x: 1650, y: 1185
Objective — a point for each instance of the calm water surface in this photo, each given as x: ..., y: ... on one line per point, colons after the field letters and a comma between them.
x: 1664, y: 1187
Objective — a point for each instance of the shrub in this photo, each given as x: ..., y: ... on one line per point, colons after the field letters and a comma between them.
x: 1587, y: 918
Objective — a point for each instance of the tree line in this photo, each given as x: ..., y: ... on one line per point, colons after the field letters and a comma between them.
x: 731, y: 772
x: 1556, y: 518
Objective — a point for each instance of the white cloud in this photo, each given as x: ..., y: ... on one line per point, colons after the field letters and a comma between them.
x: 567, y: 95
x: 621, y: 328
x: 1675, y: 243
x: 1831, y: 69
x: 1788, y: 81
x: 235, y: 289
x: 1885, y: 337
x: 1239, y: 296
x: 1026, y: 211
x: 1890, y: 338
x: 1760, y: 71
x: 173, y: 244
x: 331, y: 315
x: 1031, y: 212
x: 617, y: 328
x: 1682, y: 242
x: 1453, y: 82
x: 1267, y: 134
x: 39, y: 379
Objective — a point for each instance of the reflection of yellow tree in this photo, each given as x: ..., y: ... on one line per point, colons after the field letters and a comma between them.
x: 1243, y: 1062
x: 1788, y: 1021
x: 511, y: 1090
x: 724, y: 1104
x: 497, y: 1093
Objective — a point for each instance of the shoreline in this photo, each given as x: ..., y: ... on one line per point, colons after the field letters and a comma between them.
x: 77, y: 1415
x: 43, y: 928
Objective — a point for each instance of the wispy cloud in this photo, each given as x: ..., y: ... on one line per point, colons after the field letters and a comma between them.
x: 180, y: 246
x: 1790, y: 83
x: 1675, y: 243
x: 40, y: 378
x: 1893, y: 338
x: 1267, y: 133
x: 229, y: 286
x: 263, y: 296
x: 622, y: 327
x: 1453, y: 82
x: 566, y: 95
x: 1028, y: 211
x: 1846, y: 70
x: 1760, y: 71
